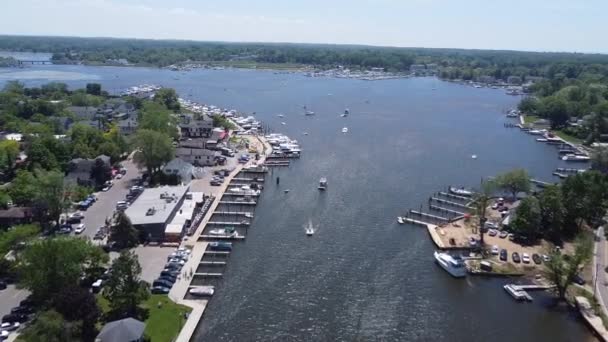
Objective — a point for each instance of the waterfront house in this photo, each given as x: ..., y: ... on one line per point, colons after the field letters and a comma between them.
x: 514, y: 80
x: 79, y: 170
x: 195, y: 126
x: 197, y: 156
x: 83, y: 113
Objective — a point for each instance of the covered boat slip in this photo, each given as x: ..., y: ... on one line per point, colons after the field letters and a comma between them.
x: 183, y: 217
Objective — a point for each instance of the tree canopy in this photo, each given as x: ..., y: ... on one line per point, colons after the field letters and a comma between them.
x: 124, y: 290
x: 153, y: 149
x: 514, y: 182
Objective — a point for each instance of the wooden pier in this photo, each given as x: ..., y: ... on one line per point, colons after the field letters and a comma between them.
x: 208, y: 275
x: 447, y: 194
x: 277, y: 163
x: 222, y: 237
x: 220, y: 223
x: 540, y: 183
x: 446, y: 210
x: 235, y: 213
x: 569, y: 170
x: 216, y: 253
x: 212, y: 263
x: 434, y: 217
x: 239, y: 202
x: 255, y: 170
x: 413, y: 221
x: 455, y: 204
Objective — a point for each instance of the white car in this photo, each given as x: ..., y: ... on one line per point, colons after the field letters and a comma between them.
x: 525, y: 258
x: 4, y: 335
x: 119, y: 176
x: 495, y: 250
x: 9, y: 326
x: 105, y: 189
x: 80, y: 228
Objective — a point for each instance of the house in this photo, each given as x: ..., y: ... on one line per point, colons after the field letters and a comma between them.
x: 181, y: 168
x: 83, y: 113
x: 79, y: 170
x: 124, y: 330
x: 16, y: 215
x: 218, y: 134
x: 127, y: 126
x: 514, y: 80
x: 63, y: 122
x: 197, y: 156
x: 193, y: 126
x: 486, y: 79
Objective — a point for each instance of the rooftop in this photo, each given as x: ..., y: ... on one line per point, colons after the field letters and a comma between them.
x: 155, y: 205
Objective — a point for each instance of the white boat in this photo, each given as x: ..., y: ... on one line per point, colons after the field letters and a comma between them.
x: 286, y: 190
x: 517, y: 293
x: 322, y: 183
x: 309, y: 113
x: 474, y: 156
x: 345, y: 130
x: 305, y: 133
x: 453, y: 266
x: 400, y: 220
x: 281, y: 115
x: 224, y: 232
x: 461, y: 191
x: 575, y: 158
x: 202, y: 291
x: 249, y: 215
x: 283, y: 123
x: 541, y: 140
x: 310, y: 229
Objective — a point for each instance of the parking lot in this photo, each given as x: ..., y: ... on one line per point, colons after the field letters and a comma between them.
x: 10, y: 298
x: 152, y: 260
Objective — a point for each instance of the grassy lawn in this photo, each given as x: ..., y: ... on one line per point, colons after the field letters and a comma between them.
x: 529, y: 119
x: 164, y: 322
x: 567, y: 137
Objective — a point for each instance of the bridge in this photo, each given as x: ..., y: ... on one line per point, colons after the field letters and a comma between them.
x: 32, y: 62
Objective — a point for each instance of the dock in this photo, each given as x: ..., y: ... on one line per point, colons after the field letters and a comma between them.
x: 220, y: 223
x: 209, y: 275
x: 520, y: 292
x: 413, y: 221
x: 239, y: 202
x: 234, y: 213
x: 449, y: 195
x: 446, y: 210
x: 216, y: 253
x: 569, y: 170
x: 222, y: 237
x: 277, y: 163
x: 540, y: 183
x: 454, y: 204
x: 434, y: 217
x: 212, y: 263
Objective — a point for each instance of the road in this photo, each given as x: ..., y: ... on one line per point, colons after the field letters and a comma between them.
x: 599, y: 270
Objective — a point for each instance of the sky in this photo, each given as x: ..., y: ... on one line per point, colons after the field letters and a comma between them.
x: 530, y: 25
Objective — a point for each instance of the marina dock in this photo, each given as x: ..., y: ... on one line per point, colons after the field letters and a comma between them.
x: 239, y: 202
x: 446, y: 210
x: 213, y: 263
x: 234, y: 213
x: 222, y: 237
x: 449, y: 195
x: 219, y: 223
x: 209, y: 275
x: 434, y: 217
x: 454, y: 204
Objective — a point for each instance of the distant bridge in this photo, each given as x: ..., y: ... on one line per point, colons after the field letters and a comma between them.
x: 21, y: 62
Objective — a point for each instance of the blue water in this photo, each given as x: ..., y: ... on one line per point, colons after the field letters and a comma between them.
x: 361, y: 277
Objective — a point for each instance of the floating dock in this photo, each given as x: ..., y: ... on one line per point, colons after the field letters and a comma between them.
x: 216, y: 253
x: 446, y: 210
x: 454, y: 204
x: 209, y: 275
x: 222, y: 237
x: 447, y: 194
x: 434, y: 217
x: 540, y: 183
x: 235, y: 213
x: 239, y: 202
x: 220, y: 223
x: 212, y: 263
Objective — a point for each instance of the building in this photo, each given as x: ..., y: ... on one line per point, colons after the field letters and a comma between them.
x: 183, y: 218
x: 181, y: 168
x: 16, y: 215
x: 486, y: 79
x: 155, y: 208
x: 127, y: 126
x: 80, y: 170
x: 514, y: 80
x: 83, y: 113
x: 197, y: 156
x: 124, y: 330
x: 195, y: 126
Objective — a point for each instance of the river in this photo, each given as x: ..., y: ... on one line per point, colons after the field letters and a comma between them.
x: 362, y: 277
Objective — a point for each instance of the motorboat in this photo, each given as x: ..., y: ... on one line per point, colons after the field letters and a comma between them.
x: 452, y: 265
x: 286, y: 190
x: 474, y: 156
x: 400, y: 220
x: 345, y: 130
x: 345, y: 114
x: 517, y: 293
x: 576, y: 158
x: 220, y: 246
x: 461, y: 191
x: 310, y: 229
x: 249, y: 215
x: 309, y: 113
x: 202, y: 291
x: 223, y: 231
x: 542, y: 140
x: 322, y: 183
x: 281, y: 115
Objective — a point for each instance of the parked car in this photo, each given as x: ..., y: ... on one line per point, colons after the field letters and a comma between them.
x: 160, y: 290
x: 121, y: 205
x: 546, y: 258
x: 511, y: 236
x: 2, y: 285
x: 65, y: 230
x: 495, y: 250
x: 22, y: 310
x: 515, y: 257
x: 492, y: 232
x: 503, y: 255
x: 4, y: 334
x: 80, y: 228
x: 169, y: 273
x: 75, y: 217
x: 536, y: 258
x: 97, y: 285
x: 119, y: 176
x: 8, y: 326
x: 503, y: 234
x: 12, y: 318
x: 162, y: 283
x: 525, y: 258
x: 578, y: 280
x: 472, y: 241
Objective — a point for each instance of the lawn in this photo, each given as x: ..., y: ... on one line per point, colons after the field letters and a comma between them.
x: 164, y: 321
x: 568, y: 137
x: 529, y: 119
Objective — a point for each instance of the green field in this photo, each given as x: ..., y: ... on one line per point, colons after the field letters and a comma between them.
x: 529, y: 119
x: 568, y: 137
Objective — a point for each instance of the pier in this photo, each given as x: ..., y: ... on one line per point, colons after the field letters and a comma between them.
x: 449, y: 195
x: 209, y: 275
x: 454, y: 204
x: 235, y: 213
x: 277, y: 163
x: 414, y: 221
x: 569, y: 170
x: 446, y: 210
x: 212, y: 263
x: 222, y: 237
x: 540, y: 183
x: 239, y: 202
x: 216, y: 253
x: 219, y: 223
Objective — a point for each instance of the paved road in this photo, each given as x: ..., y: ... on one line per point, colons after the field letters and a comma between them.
x: 600, y: 266
x: 96, y: 215
x: 10, y: 298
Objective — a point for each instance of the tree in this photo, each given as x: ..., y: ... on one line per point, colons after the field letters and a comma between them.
x: 23, y: 189
x: 49, y: 326
x: 561, y: 270
x: 12, y: 238
x: 555, y: 109
x: 123, y: 233
x: 52, y: 196
x: 552, y: 211
x: 124, y: 290
x: 9, y: 152
x: 527, y: 218
x: 157, y: 118
x: 48, y: 265
x: 39, y: 156
x: 584, y: 200
x: 599, y: 160
x: 153, y: 149
x: 101, y: 172
x: 93, y: 89
x: 514, y: 181
x: 481, y: 202
x: 168, y: 98
x: 78, y: 304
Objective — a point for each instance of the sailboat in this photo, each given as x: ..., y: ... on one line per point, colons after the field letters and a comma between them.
x: 310, y: 229
x: 346, y: 112
x: 308, y: 112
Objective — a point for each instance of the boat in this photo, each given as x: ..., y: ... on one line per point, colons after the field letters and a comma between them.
x: 461, y: 191
x: 575, y: 158
x: 228, y: 231
x: 249, y: 215
x: 346, y: 112
x: 202, y: 291
x: 286, y: 190
x: 400, y: 220
x: 452, y: 265
x: 345, y: 130
x: 310, y: 229
x: 322, y: 183
x: 542, y: 140
x: 283, y: 123
x: 281, y: 115
x: 220, y: 246
x: 305, y: 133
x: 517, y: 293
x: 474, y: 156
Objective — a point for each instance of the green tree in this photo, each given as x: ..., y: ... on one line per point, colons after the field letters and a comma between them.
x: 481, y: 202
x: 78, y: 304
x: 514, y: 181
x: 599, y: 160
x: 23, y: 189
x: 552, y: 211
x: 555, y: 109
x: 527, y: 218
x: 561, y: 270
x: 12, y: 238
x: 123, y: 233
x: 101, y: 172
x: 9, y: 152
x: 93, y: 89
x: 168, y: 98
x: 153, y: 149
x: 124, y: 290
x: 157, y: 118
x: 39, y: 156
x: 48, y: 265
x: 52, y: 197
x: 49, y: 326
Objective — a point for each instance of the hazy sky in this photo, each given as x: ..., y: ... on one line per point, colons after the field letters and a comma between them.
x: 539, y: 25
